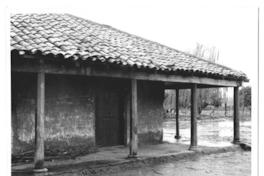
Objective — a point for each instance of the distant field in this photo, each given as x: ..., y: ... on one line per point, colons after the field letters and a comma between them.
x: 211, y: 114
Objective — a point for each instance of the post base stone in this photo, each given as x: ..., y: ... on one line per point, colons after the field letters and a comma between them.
x: 237, y: 141
x: 40, y: 170
x: 177, y: 137
x: 132, y: 156
x: 193, y: 148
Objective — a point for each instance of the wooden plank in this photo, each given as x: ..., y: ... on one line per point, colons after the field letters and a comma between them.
x: 194, y: 97
x: 120, y: 73
x: 134, y: 121
x: 39, y: 124
x: 236, y: 116
x: 177, y: 136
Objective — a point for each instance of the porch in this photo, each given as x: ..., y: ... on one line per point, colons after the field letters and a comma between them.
x: 115, y: 158
x: 43, y: 69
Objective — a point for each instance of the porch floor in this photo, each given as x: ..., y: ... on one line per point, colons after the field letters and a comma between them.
x: 116, y: 155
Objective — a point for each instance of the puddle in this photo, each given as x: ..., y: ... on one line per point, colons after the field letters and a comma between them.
x: 211, y: 133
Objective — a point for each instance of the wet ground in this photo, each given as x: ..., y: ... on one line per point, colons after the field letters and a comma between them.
x: 223, y: 164
x: 210, y: 133
x: 213, y: 133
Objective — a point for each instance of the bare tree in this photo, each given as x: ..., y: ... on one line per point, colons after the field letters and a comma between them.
x: 225, y: 99
x: 207, y: 96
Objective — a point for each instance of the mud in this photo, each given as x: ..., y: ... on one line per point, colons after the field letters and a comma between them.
x: 223, y: 164
x: 226, y: 160
x: 213, y: 132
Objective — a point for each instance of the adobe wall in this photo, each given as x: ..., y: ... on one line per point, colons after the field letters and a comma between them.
x: 150, y: 111
x: 70, y: 112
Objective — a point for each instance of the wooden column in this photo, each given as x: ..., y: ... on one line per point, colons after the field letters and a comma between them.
x: 133, y: 121
x: 127, y: 115
x: 177, y: 136
x: 236, y: 116
x: 194, y: 97
x: 39, y: 125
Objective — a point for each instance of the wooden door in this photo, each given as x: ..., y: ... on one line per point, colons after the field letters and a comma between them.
x: 109, y: 118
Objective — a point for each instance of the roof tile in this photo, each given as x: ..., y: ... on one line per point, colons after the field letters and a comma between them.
x: 82, y: 39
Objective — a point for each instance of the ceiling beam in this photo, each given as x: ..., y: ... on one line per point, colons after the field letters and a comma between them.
x: 33, y: 65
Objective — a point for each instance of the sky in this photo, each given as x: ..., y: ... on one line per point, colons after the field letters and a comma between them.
x: 230, y: 27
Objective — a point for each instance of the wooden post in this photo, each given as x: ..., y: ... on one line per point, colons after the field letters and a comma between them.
x: 133, y: 121
x: 177, y: 136
x: 236, y: 116
x: 39, y: 125
x: 127, y: 115
x: 194, y: 97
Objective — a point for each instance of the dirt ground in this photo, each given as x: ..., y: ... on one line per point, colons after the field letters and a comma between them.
x: 211, y: 133
x: 223, y: 164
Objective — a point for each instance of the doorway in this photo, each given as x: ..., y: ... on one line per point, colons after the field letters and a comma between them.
x: 109, y: 118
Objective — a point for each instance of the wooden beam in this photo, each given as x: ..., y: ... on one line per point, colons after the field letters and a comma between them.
x: 39, y: 125
x: 171, y: 85
x: 236, y: 116
x: 134, y: 121
x: 60, y: 68
x: 194, y: 97
x: 177, y: 136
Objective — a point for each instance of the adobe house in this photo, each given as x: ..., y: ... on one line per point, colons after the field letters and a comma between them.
x: 78, y: 85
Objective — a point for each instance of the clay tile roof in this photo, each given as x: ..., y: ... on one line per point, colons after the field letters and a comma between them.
x: 77, y: 38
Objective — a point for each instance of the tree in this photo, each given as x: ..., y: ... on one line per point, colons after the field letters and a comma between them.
x: 169, y: 99
x: 215, y: 97
x: 184, y: 98
x: 207, y: 96
x: 225, y: 99
x: 245, y: 96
